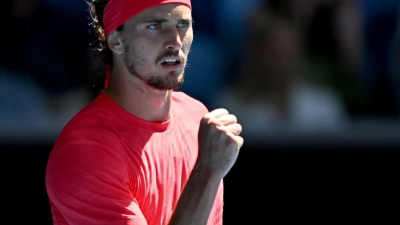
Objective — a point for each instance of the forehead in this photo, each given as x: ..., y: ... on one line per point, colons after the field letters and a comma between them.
x: 165, y: 11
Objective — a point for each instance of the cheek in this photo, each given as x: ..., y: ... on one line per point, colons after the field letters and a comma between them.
x: 139, y: 50
x: 187, y: 40
x: 187, y: 47
x: 187, y: 43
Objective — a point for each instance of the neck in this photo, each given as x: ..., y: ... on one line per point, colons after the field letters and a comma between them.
x: 140, y: 100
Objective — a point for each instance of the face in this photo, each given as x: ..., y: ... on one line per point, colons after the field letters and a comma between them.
x: 156, y: 45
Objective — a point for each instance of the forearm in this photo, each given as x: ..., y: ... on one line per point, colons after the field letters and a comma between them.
x: 219, y: 144
x: 197, y: 199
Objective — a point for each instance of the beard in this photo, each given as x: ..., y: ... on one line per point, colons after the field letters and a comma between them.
x: 154, y: 80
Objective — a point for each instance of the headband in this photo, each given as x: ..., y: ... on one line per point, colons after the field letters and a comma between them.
x: 118, y: 12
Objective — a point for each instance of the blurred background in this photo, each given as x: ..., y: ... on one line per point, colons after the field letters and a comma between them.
x: 314, y: 83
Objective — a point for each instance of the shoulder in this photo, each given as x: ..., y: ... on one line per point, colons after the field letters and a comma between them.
x: 184, y: 101
x: 79, y: 162
x: 90, y: 135
x: 182, y: 97
x: 83, y: 173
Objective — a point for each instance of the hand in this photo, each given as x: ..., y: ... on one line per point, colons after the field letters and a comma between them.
x: 219, y: 142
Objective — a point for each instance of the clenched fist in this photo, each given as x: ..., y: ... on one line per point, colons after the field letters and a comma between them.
x: 219, y: 142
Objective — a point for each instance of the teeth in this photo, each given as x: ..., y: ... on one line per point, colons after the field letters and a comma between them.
x: 171, y: 60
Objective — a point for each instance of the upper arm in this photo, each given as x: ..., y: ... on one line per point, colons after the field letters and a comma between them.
x: 89, y: 183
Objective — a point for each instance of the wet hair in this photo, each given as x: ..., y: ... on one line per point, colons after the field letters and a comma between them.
x: 100, y: 54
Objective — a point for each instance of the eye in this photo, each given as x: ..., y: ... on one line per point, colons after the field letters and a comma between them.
x: 184, y: 24
x: 154, y: 26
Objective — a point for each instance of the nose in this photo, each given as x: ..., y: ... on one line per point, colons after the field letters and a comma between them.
x: 173, y: 39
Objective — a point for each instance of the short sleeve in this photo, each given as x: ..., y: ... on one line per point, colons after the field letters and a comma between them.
x: 89, y: 183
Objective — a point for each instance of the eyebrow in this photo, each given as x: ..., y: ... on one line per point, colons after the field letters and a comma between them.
x: 155, y: 21
x: 165, y: 20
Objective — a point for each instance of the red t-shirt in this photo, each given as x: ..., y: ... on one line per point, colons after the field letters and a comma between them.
x: 110, y: 167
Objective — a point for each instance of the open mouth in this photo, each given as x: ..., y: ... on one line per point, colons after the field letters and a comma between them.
x: 171, y: 62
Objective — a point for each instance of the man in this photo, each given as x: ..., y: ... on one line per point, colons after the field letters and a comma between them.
x: 142, y: 153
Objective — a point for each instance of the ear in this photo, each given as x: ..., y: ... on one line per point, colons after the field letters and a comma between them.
x: 114, y: 42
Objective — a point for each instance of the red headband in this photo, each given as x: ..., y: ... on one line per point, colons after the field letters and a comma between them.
x: 118, y: 12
